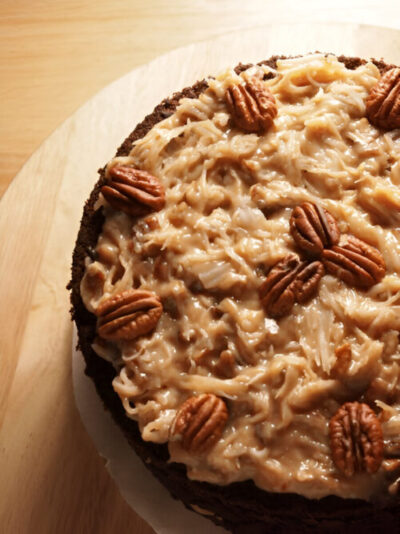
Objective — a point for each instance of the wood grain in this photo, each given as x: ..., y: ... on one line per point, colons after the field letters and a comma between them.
x: 52, y: 479
x: 54, y: 55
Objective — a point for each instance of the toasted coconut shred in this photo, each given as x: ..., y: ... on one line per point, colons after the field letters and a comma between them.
x: 229, y: 196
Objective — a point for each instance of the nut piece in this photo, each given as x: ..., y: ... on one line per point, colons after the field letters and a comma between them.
x: 289, y: 281
x: 200, y: 422
x: 383, y: 102
x: 252, y: 106
x: 355, y: 262
x: 343, y: 359
x: 313, y: 228
x: 225, y: 365
x: 128, y: 315
x: 132, y: 191
x: 356, y: 439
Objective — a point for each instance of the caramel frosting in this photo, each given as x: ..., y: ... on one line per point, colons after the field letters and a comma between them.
x: 229, y: 197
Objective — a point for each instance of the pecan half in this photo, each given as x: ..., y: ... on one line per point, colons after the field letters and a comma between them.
x: 356, y: 439
x: 128, y: 315
x: 289, y: 281
x: 200, y: 422
x: 252, y: 106
x: 355, y: 262
x: 383, y: 102
x: 133, y: 191
x: 313, y: 228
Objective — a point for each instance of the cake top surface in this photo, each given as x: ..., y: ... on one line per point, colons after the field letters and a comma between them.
x: 246, y: 280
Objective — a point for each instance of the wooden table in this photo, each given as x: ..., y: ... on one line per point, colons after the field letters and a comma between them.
x: 52, y: 479
x: 54, y: 55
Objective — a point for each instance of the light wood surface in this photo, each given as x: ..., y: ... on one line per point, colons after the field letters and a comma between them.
x: 55, y: 54
x: 52, y: 479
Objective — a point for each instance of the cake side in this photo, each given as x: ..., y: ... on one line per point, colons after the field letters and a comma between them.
x: 227, y: 502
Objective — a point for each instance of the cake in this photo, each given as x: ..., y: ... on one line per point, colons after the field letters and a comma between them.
x: 235, y: 287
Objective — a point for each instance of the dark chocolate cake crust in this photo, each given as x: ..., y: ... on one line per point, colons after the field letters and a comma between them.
x: 239, y: 507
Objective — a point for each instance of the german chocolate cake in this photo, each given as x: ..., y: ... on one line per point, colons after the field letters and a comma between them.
x: 236, y: 290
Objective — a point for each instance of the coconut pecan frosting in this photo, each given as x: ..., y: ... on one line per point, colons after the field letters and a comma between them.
x: 246, y: 281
